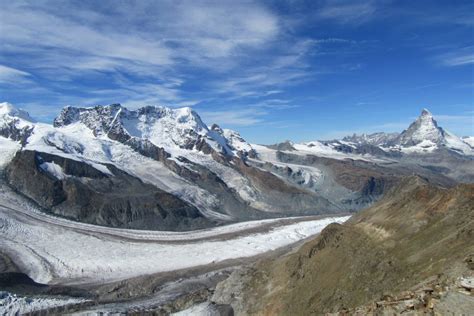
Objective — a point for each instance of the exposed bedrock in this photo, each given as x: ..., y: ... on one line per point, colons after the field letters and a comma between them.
x: 79, y: 191
x: 284, y: 195
x: 355, y: 184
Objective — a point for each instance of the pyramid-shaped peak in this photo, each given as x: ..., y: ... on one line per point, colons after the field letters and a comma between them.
x: 216, y: 128
x: 426, y: 112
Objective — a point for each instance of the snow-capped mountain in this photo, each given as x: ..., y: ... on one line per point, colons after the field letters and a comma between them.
x: 423, y: 136
x: 376, y: 139
x: 154, y: 168
x: 14, y: 123
x: 424, y: 129
x: 468, y: 140
x: 164, y: 127
x: 233, y: 139
x: 164, y: 168
x: 7, y: 109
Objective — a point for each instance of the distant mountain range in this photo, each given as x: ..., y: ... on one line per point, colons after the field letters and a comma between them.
x: 165, y: 169
x: 422, y: 136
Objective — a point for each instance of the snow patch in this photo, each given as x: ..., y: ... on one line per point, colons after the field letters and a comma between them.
x: 53, y: 169
x: 469, y: 140
x: 8, y: 149
x: 457, y: 144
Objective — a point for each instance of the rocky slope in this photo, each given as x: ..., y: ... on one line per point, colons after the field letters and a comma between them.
x: 411, y: 251
x: 105, y: 196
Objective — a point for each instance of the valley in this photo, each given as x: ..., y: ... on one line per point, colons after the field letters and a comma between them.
x: 111, y: 210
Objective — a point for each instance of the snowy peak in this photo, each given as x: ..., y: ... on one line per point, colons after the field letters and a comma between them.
x: 424, y: 129
x: 426, y: 112
x: 236, y: 141
x: 15, y: 124
x: 100, y: 119
x: 468, y: 140
x: 424, y: 135
x: 7, y: 109
x: 165, y: 127
x: 376, y: 139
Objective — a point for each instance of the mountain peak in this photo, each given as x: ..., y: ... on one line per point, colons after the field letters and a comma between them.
x: 7, y: 108
x: 163, y: 126
x: 424, y: 130
x: 426, y: 112
x: 426, y: 119
x: 216, y: 128
x: 376, y: 139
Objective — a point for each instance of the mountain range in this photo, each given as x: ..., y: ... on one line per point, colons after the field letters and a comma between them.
x: 161, y: 168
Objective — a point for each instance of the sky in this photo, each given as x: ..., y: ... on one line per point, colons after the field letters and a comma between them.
x: 272, y: 70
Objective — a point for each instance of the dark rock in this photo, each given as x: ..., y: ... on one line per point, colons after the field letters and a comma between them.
x: 12, y: 131
x: 89, y: 195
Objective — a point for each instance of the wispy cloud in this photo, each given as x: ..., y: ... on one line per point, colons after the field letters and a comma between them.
x: 455, y: 122
x: 10, y: 75
x: 242, y: 53
x: 458, y: 60
x: 77, y: 43
x: 235, y: 117
x: 348, y: 11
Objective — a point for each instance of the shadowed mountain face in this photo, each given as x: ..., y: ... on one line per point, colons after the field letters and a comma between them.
x: 105, y: 196
x: 418, y: 238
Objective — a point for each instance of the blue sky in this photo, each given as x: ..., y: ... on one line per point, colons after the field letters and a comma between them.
x: 273, y: 70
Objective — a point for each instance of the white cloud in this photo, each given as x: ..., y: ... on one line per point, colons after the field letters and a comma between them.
x: 238, y: 117
x: 348, y: 12
x: 155, y: 42
x: 168, y: 52
x: 459, y: 60
x: 460, y: 124
x: 11, y: 75
x: 45, y: 31
x: 456, y: 57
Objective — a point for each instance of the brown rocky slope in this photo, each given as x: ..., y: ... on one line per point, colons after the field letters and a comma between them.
x: 408, y: 253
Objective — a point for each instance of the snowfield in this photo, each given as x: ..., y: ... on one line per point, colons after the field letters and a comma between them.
x: 52, y: 250
x: 8, y: 149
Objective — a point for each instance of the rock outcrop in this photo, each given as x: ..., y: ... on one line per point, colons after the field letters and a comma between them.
x: 98, y: 194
